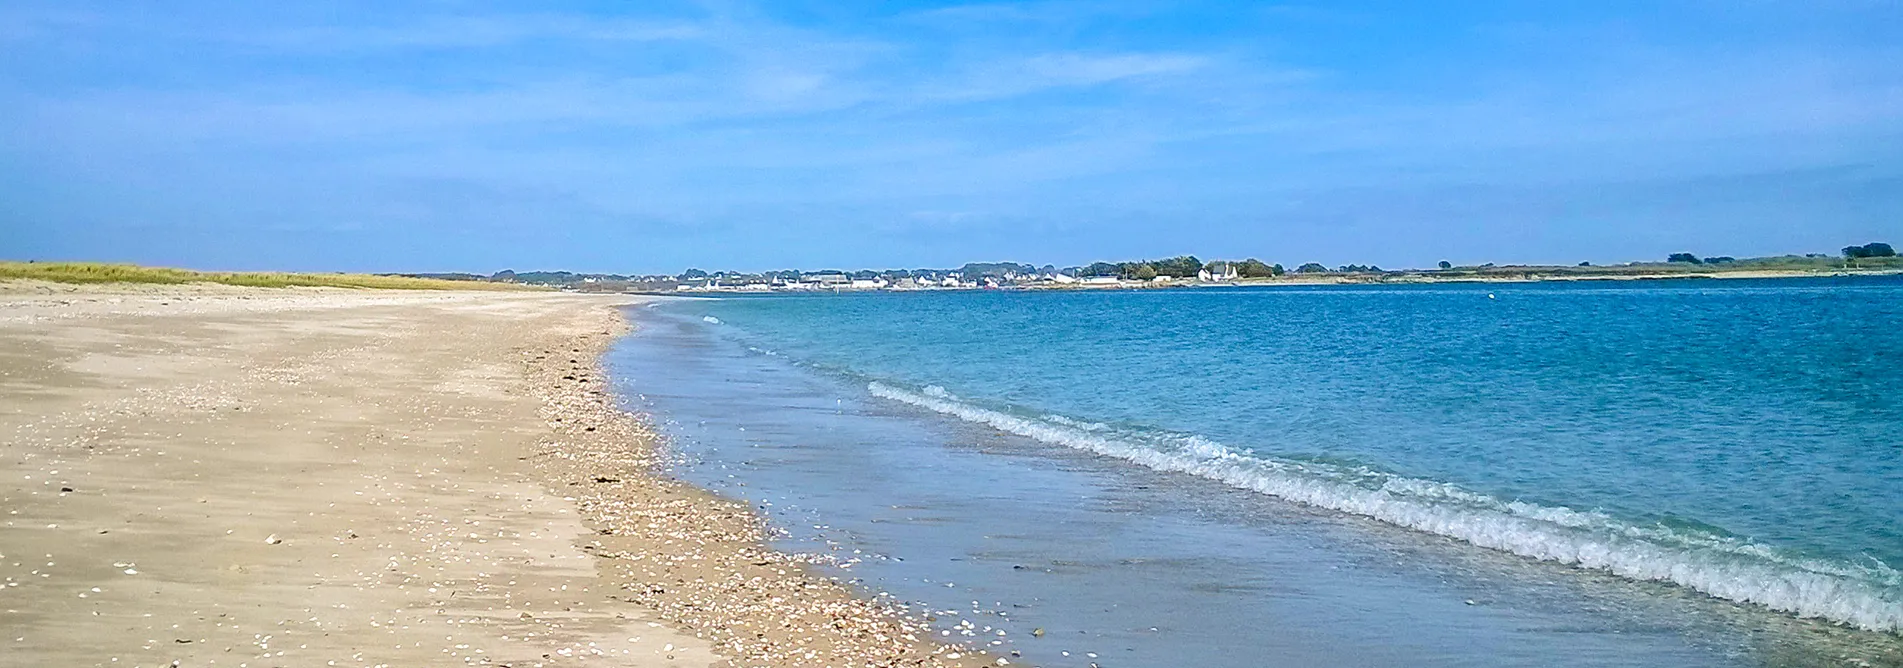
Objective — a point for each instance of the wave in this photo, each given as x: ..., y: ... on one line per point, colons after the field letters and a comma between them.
x: 1723, y: 566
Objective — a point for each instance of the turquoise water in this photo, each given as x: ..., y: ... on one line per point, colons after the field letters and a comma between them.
x: 1736, y: 438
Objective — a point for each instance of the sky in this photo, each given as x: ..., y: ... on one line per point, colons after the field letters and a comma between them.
x: 648, y: 137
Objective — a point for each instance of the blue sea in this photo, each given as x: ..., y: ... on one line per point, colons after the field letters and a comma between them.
x: 1684, y: 472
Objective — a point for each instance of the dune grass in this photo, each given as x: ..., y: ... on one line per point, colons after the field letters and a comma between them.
x: 95, y: 272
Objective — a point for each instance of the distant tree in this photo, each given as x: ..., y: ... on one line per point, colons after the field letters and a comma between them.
x: 1277, y: 269
x: 1311, y: 268
x: 1253, y: 268
x: 1722, y: 259
x: 691, y: 274
x: 1873, y: 249
x: 1144, y: 272
x: 1182, y: 266
x: 1688, y: 257
x: 997, y: 269
x: 1102, y: 269
x: 1446, y: 265
x: 1585, y: 264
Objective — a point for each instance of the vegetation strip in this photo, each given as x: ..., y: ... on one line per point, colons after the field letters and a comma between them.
x: 96, y: 272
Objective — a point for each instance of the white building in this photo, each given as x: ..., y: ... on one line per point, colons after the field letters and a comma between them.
x: 833, y: 280
x: 1224, y: 272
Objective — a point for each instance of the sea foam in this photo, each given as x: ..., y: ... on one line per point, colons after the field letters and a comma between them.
x: 1867, y: 597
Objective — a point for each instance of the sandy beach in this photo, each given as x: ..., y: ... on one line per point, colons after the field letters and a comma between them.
x: 214, y: 476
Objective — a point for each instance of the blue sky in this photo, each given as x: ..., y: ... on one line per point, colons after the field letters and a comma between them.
x: 653, y: 136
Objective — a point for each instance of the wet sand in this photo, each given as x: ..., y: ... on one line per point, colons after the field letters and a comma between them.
x: 201, y: 475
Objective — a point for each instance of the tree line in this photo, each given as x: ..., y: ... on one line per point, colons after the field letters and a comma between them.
x: 1869, y: 250
x: 1181, y: 266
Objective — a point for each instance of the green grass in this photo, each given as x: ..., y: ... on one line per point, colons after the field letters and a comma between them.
x: 95, y: 272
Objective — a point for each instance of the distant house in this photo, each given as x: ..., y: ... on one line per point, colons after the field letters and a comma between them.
x: 827, y: 280
x: 1102, y: 280
x: 1217, y: 271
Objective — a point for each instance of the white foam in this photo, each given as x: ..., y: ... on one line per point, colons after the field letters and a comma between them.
x: 710, y: 320
x: 1721, y: 566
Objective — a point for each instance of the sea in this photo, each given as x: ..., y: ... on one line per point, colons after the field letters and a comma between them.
x: 1690, y: 472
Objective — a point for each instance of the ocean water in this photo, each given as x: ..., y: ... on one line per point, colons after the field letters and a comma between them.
x: 1657, y: 473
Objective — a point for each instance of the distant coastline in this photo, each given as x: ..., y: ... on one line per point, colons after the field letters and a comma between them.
x: 1757, y: 268
x: 1506, y: 275
x: 1874, y: 259
x: 1539, y: 274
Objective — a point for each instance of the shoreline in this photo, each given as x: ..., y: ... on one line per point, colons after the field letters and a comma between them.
x: 218, y: 475
x: 740, y: 585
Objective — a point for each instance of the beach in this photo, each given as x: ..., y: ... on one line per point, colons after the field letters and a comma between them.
x: 206, y: 475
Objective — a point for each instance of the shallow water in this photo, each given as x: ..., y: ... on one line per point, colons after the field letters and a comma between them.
x: 1104, y: 464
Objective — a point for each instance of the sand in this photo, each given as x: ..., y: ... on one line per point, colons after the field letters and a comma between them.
x: 215, y: 476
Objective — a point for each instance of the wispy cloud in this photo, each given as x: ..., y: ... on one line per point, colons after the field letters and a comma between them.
x: 469, y: 32
x: 1084, y: 70
x: 1046, y: 12
x: 1003, y: 79
x: 26, y: 22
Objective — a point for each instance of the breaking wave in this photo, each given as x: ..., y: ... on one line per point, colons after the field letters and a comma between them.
x: 1723, y: 566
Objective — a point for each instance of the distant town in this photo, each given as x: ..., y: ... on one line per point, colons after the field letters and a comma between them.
x: 1188, y: 271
